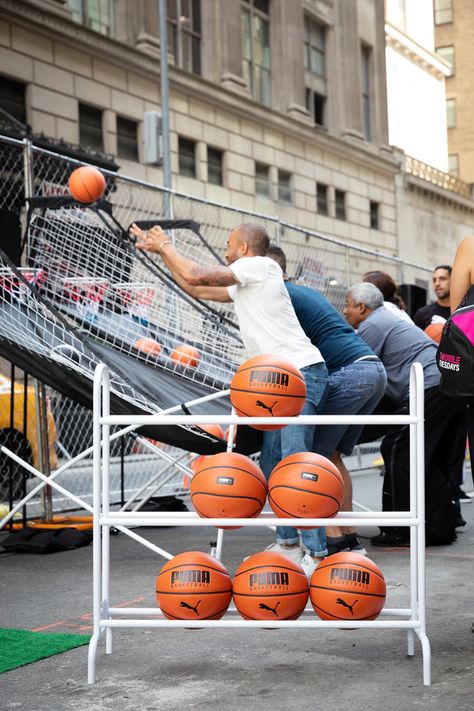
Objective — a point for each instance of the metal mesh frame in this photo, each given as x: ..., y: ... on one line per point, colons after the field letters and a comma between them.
x: 314, y: 259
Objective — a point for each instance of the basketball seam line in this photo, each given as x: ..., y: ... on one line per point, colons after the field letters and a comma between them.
x: 283, y: 464
x: 186, y: 619
x: 225, y: 496
x: 305, y: 491
x: 269, y: 565
x: 203, y: 515
x: 275, y: 594
x: 291, y: 515
x: 349, y: 592
x: 188, y: 592
x: 238, y: 469
x: 246, y: 616
x: 194, y: 565
x: 270, y: 394
x: 344, y: 619
x: 359, y: 565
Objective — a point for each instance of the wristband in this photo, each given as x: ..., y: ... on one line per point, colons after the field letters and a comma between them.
x: 166, y: 241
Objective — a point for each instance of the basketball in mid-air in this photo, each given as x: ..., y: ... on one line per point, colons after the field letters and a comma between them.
x: 347, y: 586
x: 193, y: 586
x: 270, y: 586
x: 86, y: 184
x: 305, y: 485
x: 186, y: 355
x: 268, y: 386
x: 228, y: 485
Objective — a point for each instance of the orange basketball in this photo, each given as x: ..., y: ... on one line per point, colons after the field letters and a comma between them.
x: 434, y: 331
x: 347, y: 586
x: 270, y: 586
x: 215, y: 430
x: 148, y: 345
x: 305, y: 485
x: 186, y: 355
x: 197, y: 463
x: 228, y: 485
x: 268, y: 385
x: 86, y: 184
x: 193, y: 586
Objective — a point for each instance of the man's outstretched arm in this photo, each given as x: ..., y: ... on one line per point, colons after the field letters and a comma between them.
x: 197, y: 280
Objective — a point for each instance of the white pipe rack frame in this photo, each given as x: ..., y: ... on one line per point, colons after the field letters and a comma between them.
x: 106, y: 617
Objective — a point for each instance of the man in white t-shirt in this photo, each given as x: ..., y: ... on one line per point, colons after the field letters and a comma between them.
x: 268, y: 324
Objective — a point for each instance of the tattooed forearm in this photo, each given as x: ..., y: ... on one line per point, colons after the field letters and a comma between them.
x: 213, y: 276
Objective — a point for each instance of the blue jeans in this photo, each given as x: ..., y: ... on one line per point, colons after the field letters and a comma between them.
x: 355, y: 389
x: 278, y: 444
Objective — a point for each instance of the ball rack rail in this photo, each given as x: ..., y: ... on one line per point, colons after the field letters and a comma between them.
x: 107, y: 618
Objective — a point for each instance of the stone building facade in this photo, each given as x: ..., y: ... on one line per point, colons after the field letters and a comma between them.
x: 278, y: 107
x: 454, y: 28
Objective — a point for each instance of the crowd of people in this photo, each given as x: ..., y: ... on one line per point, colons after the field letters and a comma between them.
x: 355, y: 363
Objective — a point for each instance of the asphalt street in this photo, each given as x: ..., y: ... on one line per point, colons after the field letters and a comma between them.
x: 234, y: 669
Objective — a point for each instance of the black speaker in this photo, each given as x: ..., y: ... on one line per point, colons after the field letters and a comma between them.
x: 10, y: 234
x: 414, y: 297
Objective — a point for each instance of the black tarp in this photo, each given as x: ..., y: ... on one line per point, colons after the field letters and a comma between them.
x: 162, y: 387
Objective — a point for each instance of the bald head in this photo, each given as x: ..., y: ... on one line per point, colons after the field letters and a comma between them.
x: 256, y: 237
x: 247, y: 240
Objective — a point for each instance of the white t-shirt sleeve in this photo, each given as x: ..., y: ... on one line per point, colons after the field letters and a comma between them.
x: 249, y: 270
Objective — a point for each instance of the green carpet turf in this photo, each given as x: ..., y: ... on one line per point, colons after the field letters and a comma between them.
x: 19, y: 647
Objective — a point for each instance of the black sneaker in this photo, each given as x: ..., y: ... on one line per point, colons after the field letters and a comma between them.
x: 354, y: 544
x: 462, y: 497
x: 391, y: 539
x: 337, y: 547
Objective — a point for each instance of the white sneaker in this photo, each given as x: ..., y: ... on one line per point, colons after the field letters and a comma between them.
x: 308, y: 564
x: 294, y: 553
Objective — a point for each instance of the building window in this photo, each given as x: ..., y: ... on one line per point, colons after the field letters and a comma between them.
x: 12, y: 98
x: 314, y: 47
x: 315, y: 69
x: 262, y: 180
x: 184, y: 33
x: 127, y: 144
x: 96, y: 14
x: 90, y: 128
x: 451, y: 113
x: 453, y: 165
x: 365, y: 70
x: 447, y: 53
x: 256, y: 59
x: 284, y: 187
x: 187, y: 157
x: 322, y: 199
x: 443, y: 11
x: 340, y: 197
x: 215, y: 159
x: 374, y: 215
x: 316, y: 105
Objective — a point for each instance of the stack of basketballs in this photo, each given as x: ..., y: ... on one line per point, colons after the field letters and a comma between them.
x: 269, y: 586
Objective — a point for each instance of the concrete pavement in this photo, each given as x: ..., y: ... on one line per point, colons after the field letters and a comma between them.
x: 237, y: 670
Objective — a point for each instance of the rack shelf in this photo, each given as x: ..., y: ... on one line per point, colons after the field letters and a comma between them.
x: 107, y: 618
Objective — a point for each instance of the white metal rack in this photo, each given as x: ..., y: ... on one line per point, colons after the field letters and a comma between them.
x: 107, y: 617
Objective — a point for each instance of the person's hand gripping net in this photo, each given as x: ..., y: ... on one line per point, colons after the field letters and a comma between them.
x: 152, y: 240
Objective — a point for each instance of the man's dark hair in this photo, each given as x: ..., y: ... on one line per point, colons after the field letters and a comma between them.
x: 446, y: 267
x: 277, y: 254
x: 256, y: 236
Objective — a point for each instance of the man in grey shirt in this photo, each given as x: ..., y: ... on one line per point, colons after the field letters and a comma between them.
x: 399, y: 344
